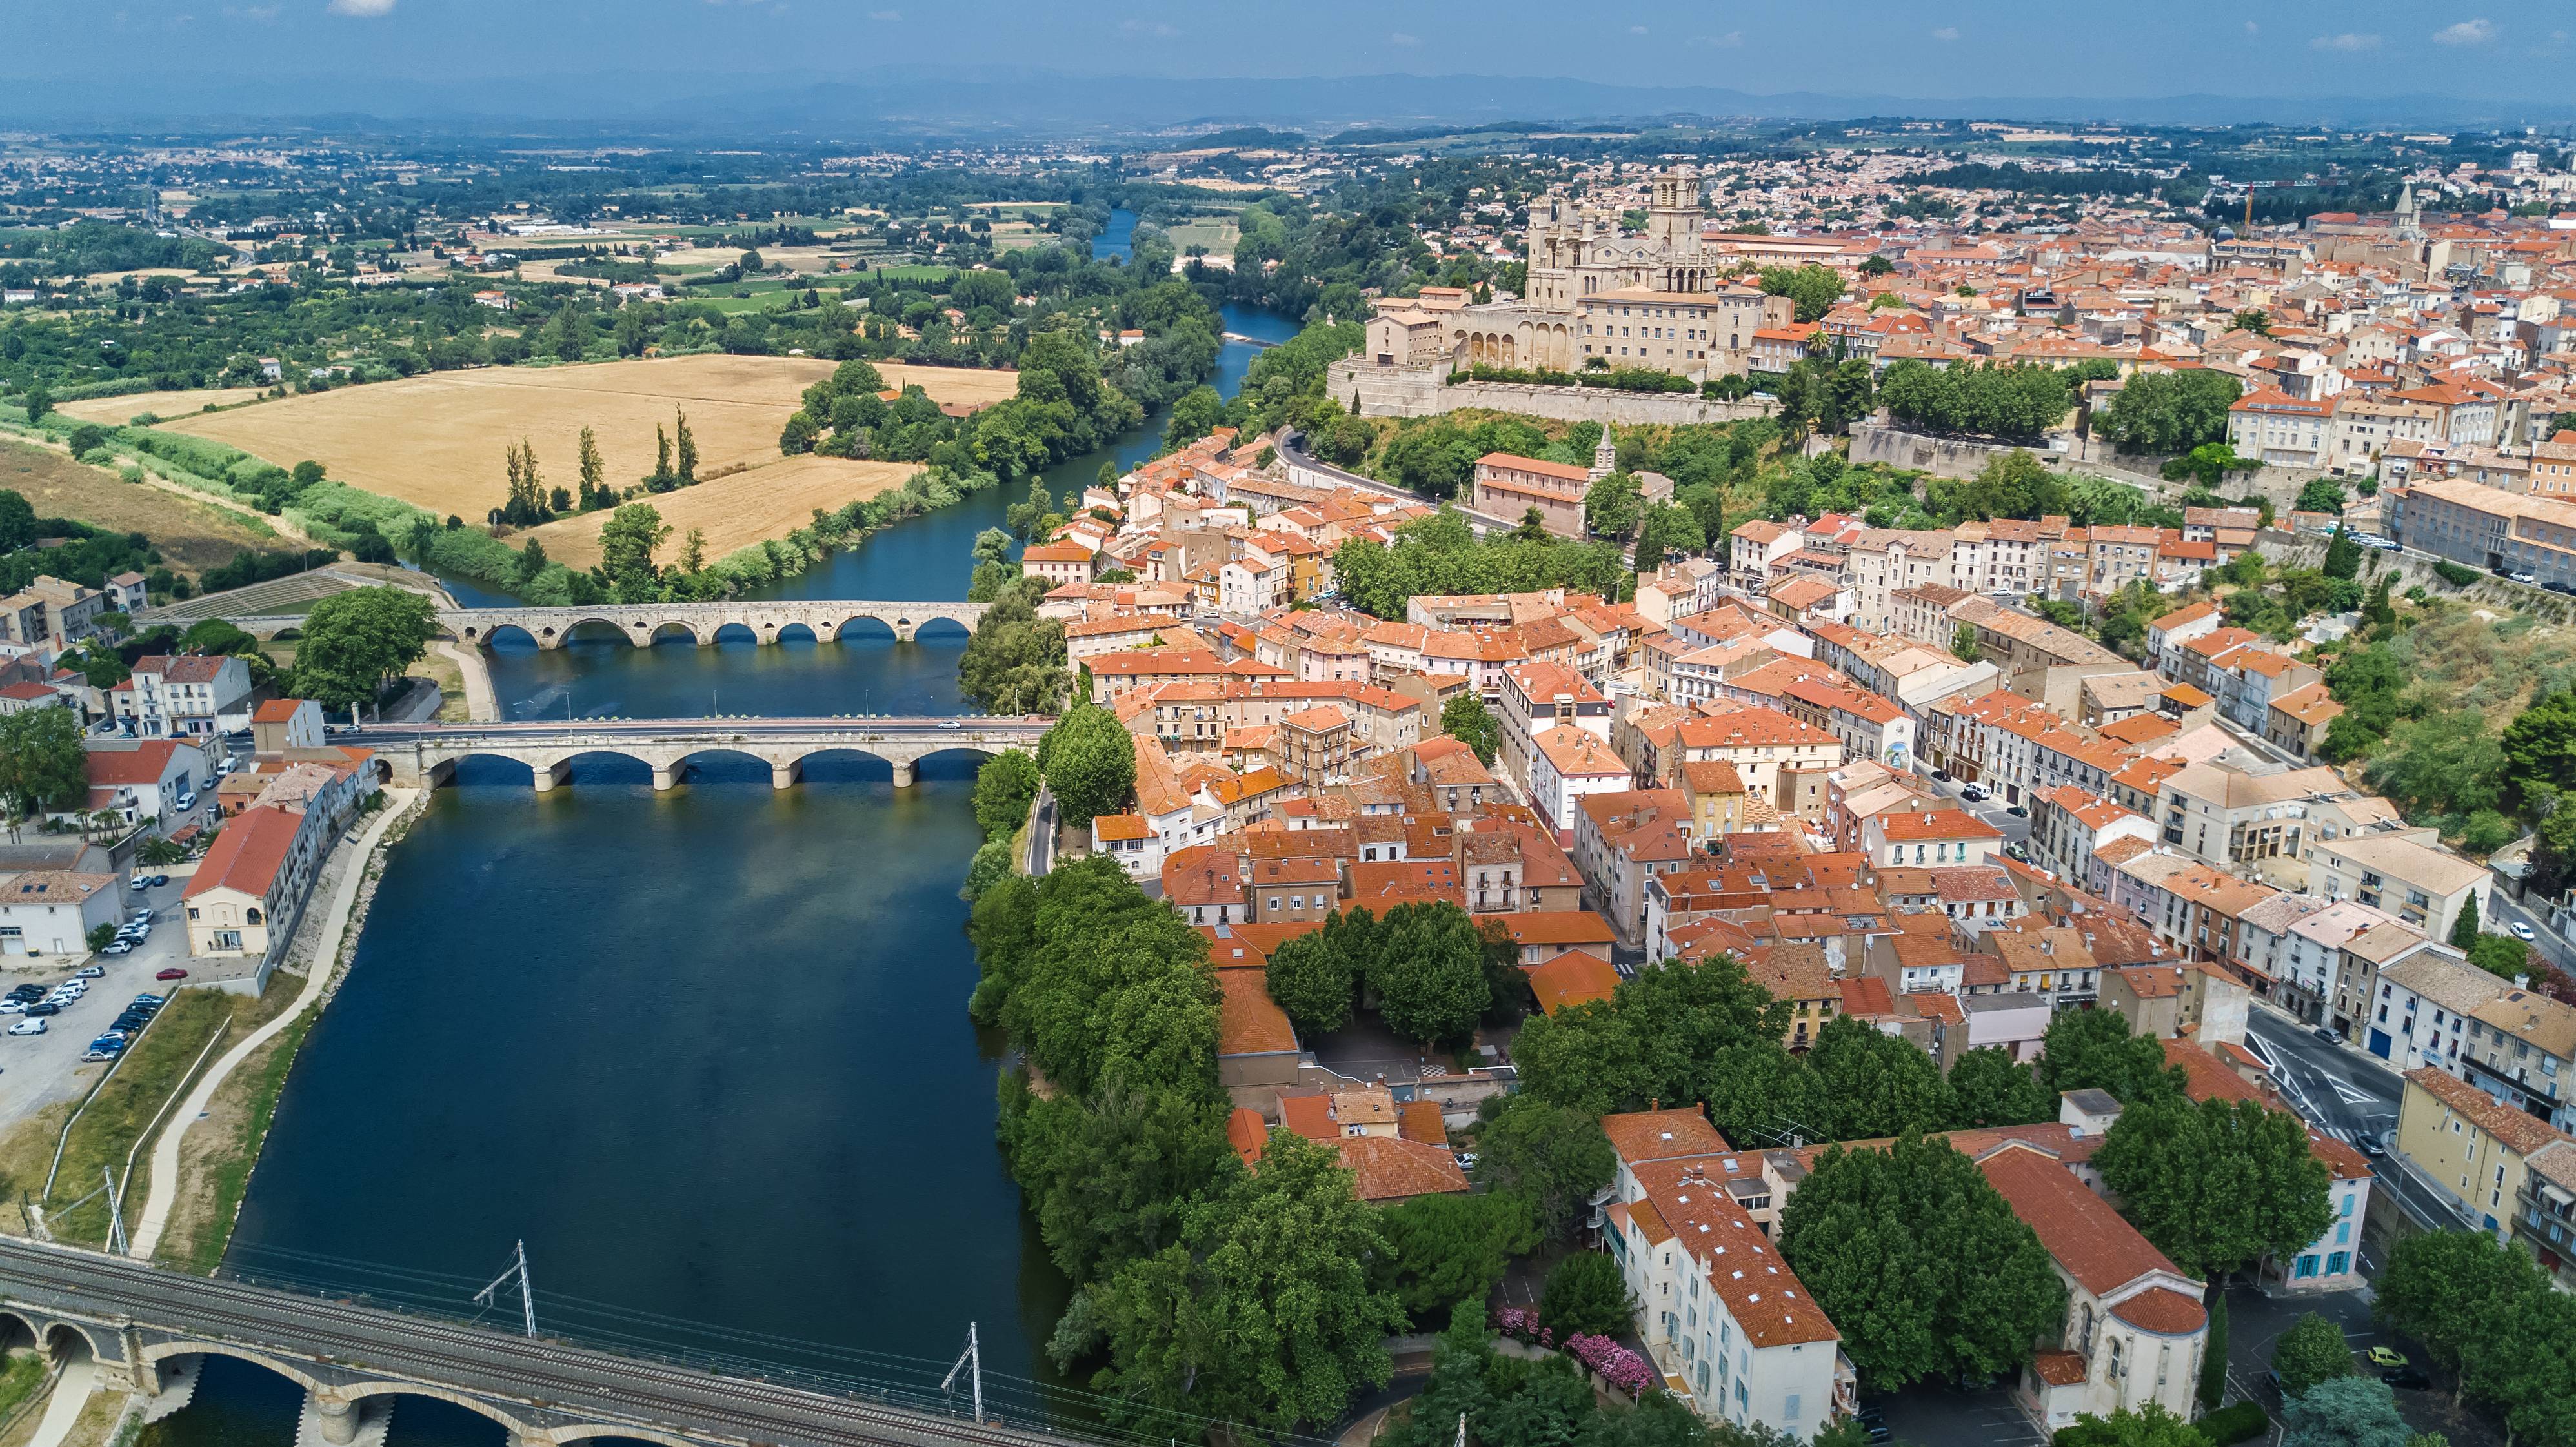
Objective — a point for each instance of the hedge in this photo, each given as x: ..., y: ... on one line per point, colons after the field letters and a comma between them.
x: 2454, y: 574
x: 2242, y: 1422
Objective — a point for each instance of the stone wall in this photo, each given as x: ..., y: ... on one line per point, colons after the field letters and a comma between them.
x: 1941, y: 456
x: 1422, y: 392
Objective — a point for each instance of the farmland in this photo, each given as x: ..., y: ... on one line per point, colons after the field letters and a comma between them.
x: 436, y: 440
x: 116, y: 411
x: 192, y: 536
x: 739, y: 510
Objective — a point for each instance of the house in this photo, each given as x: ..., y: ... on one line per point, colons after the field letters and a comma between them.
x: 2134, y: 1328
x: 279, y: 724
x: 186, y: 696
x: 52, y: 911
x: 142, y: 781
x: 2502, y: 1170
x: 1721, y: 1313
x: 250, y: 889
x: 2418, y: 882
x: 49, y: 610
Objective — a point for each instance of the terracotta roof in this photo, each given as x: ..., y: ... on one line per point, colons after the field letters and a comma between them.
x: 1250, y: 1022
x: 1420, y: 1120
x: 2058, y: 1368
x: 1658, y: 1135
x: 2164, y: 1311
x: 2516, y: 1130
x: 144, y: 763
x: 1390, y: 1168
x: 2081, y: 1231
x: 1573, y: 978
x: 276, y: 710
x: 1247, y: 1133
x: 246, y: 855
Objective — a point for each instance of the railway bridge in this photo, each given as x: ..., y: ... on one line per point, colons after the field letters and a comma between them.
x: 146, y: 1329
x: 426, y: 755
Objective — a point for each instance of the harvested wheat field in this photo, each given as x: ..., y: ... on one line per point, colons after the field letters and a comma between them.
x: 436, y: 440
x: 192, y: 536
x: 117, y: 411
x: 736, y: 511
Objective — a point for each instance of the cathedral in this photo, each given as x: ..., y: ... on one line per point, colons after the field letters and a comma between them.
x: 1651, y: 299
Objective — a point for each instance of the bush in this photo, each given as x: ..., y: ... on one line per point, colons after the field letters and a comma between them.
x: 1586, y: 1295
x: 2454, y: 574
x: 2240, y: 1423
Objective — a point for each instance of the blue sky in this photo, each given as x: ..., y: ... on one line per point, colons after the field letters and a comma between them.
x: 2504, y: 49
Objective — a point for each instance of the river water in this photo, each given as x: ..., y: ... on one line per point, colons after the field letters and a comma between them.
x: 706, y: 1052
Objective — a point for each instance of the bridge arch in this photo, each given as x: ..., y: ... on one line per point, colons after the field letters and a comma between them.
x: 865, y: 627
x: 787, y: 631
x: 687, y: 628
x: 734, y: 630
x: 357, y: 1392
x: 61, y: 1338
x: 923, y: 626
x: 517, y: 633
x: 165, y: 1351
x: 583, y: 1432
x: 552, y: 635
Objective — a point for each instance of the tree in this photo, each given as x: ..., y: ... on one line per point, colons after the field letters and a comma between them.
x: 1004, y: 788
x: 17, y: 521
x: 2217, y: 1184
x: 1109, y: 1177
x: 2539, y: 753
x: 1613, y: 506
x: 2343, y: 556
x: 627, y: 542
x: 1553, y: 1157
x: 1315, y: 977
x: 1923, y: 1265
x: 37, y: 400
x: 2149, y: 1424
x: 1198, y: 412
x: 1428, y: 970
x: 1815, y: 289
x: 2093, y: 1050
x: 2454, y: 1291
x: 2311, y: 1351
x: 687, y: 443
x: 2344, y: 1412
x: 42, y: 764
x: 1676, y: 1030
x: 1991, y: 1089
x: 1586, y: 1293
x: 1090, y: 763
x: 1262, y: 1312
x: 1448, y: 1249
x: 594, y: 474
x: 2213, y: 1356
x: 1015, y: 663
x: 693, y: 552
x: 1963, y: 642
x: 661, y: 479
x: 2464, y: 929
x: 2322, y: 494
x: 357, y: 641
x: 1466, y: 719
x: 1875, y: 1084
x: 2252, y: 319
x: 2169, y: 412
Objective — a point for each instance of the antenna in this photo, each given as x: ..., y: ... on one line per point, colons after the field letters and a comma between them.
x: 970, y: 1361
x: 518, y: 1267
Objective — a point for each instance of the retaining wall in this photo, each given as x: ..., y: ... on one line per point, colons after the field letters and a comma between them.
x: 1423, y: 392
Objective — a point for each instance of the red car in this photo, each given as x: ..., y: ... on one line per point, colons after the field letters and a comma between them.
x: 172, y: 974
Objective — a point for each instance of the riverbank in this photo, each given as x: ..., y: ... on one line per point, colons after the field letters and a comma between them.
x: 197, y: 1186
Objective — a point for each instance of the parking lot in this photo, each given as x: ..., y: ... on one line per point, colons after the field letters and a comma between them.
x: 37, y: 1070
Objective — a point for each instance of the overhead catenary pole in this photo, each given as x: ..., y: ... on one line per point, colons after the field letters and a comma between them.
x: 971, y: 1362
x: 518, y: 1267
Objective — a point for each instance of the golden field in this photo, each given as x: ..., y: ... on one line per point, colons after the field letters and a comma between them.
x: 735, y: 511
x: 436, y: 440
x: 117, y: 411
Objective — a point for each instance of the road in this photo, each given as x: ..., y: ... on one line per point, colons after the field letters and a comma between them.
x: 729, y: 726
x: 2347, y: 1094
x: 2503, y: 911
x: 572, y: 1382
x: 1293, y: 451
x: 1993, y: 810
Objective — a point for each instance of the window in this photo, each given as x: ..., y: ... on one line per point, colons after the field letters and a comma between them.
x: 2307, y: 1266
x: 2338, y: 1263
x: 1790, y: 1415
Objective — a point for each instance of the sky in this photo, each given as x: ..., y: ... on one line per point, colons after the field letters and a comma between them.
x: 1935, y: 49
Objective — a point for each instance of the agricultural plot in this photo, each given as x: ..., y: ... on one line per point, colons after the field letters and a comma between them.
x: 736, y: 511
x: 192, y: 536
x: 436, y: 441
x: 117, y: 411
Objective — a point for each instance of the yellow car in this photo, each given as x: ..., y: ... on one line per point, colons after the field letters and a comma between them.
x: 2385, y: 1357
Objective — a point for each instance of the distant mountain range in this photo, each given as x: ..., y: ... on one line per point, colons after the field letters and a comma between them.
x: 994, y: 102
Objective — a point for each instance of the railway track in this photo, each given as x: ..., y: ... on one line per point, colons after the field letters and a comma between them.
x: 540, y: 1374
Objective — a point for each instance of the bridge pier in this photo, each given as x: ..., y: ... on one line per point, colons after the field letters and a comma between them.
x: 666, y: 777
x: 784, y: 776
x: 905, y: 774
x: 550, y: 776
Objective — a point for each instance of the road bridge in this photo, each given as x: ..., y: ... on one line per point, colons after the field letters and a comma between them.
x: 427, y: 754
x: 147, y: 1328
x: 827, y: 620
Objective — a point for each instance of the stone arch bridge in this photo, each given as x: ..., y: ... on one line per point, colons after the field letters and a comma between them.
x: 426, y: 755
x: 146, y: 1329
x: 828, y: 620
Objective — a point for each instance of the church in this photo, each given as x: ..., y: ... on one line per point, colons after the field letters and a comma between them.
x: 1653, y: 299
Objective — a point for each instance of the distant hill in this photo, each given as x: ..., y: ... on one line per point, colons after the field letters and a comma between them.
x: 1246, y: 138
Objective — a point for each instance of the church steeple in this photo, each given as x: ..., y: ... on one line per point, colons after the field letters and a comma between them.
x: 1605, y: 455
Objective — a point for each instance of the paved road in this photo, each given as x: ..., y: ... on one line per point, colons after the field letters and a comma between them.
x: 1292, y: 449
x: 1992, y: 809
x: 738, y: 727
x: 575, y: 1381
x: 2346, y: 1093
x: 2503, y: 911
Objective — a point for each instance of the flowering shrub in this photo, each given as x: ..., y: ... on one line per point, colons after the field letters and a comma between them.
x: 1517, y: 1322
x: 1616, y: 1364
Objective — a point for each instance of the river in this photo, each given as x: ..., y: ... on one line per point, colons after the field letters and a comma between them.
x: 706, y: 1053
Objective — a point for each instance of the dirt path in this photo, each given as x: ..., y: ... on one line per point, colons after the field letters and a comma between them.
x: 317, y: 982
x: 480, y: 705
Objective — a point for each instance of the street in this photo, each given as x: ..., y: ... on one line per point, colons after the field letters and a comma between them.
x: 1992, y: 809
x: 2347, y: 1094
x: 2504, y: 912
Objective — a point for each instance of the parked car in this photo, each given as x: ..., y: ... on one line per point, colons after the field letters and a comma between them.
x: 2385, y: 1358
x: 13, y: 1007
x: 147, y: 999
x: 1873, y: 1425
x: 143, y: 917
x: 188, y: 800
x: 27, y: 992
x: 2018, y: 812
x: 2410, y: 1379
x: 140, y: 884
x: 1972, y: 792
x: 2522, y: 931
x: 2326, y: 1035
x: 119, y: 946
x: 28, y: 1027
x: 2524, y: 577
x: 2371, y: 1143
x: 159, y: 880
x: 90, y: 972
x: 95, y: 1056
x: 172, y: 973
x: 1941, y: 774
